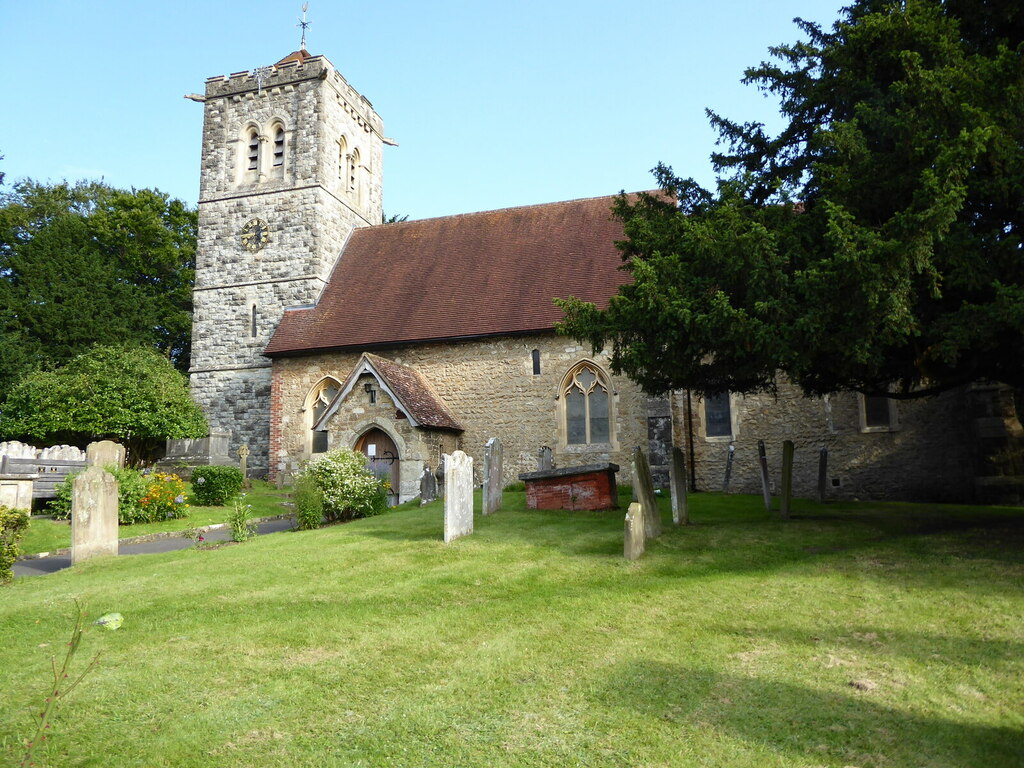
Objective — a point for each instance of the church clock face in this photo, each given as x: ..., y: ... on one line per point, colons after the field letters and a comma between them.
x: 255, y: 235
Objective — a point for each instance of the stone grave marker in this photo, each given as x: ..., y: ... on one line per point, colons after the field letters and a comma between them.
x: 428, y: 486
x: 636, y: 538
x: 440, y: 477
x: 822, y: 473
x: 93, y: 514
x: 728, y: 468
x: 677, y: 486
x: 458, y: 496
x: 243, y: 459
x: 643, y: 487
x: 787, y: 479
x: 766, y: 488
x: 492, y: 476
x: 544, y: 462
x: 104, y: 453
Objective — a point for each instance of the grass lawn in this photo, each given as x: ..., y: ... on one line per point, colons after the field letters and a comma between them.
x: 867, y: 635
x: 48, y: 535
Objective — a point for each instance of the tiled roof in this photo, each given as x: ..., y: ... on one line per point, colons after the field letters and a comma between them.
x: 476, y: 274
x: 407, y: 386
x: 298, y: 57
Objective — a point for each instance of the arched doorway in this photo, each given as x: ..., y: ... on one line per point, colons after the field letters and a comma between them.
x: 383, y: 457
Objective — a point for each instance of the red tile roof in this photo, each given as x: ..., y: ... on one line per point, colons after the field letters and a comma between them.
x: 476, y: 274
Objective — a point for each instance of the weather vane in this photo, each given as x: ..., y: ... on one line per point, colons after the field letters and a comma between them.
x: 303, y: 23
x: 259, y: 75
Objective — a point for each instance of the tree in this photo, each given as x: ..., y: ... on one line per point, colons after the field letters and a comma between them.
x: 129, y: 394
x: 874, y: 244
x: 88, y: 264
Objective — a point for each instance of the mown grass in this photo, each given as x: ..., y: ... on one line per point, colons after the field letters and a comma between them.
x: 45, y: 535
x: 869, y: 635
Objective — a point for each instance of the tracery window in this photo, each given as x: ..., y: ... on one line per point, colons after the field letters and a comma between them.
x: 316, y: 406
x: 586, y: 405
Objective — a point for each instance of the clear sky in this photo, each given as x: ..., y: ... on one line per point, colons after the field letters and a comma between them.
x: 494, y: 104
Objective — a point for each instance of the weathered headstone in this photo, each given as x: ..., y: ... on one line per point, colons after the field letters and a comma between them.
x: 787, y: 479
x: 643, y: 486
x: 440, y: 477
x: 544, y: 462
x: 428, y: 486
x: 822, y: 473
x: 458, y: 496
x: 492, y: 476
x: 636, y: 538
x: 766, y: 488
x: 105, y: 453
x: 728, y: 468
x: 243, y: 459
x: 677, y: 486
x: 93, y: 514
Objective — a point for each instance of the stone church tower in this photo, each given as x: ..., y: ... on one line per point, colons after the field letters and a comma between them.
x: 291, y: 162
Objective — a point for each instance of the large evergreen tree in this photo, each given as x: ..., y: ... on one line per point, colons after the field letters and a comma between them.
x: 874, y: 244
x: 84, y: 264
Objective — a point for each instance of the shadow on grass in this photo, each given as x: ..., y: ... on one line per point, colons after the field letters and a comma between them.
x: 841, y: 726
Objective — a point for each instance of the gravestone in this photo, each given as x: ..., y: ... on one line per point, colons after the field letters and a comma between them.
x: 787, y: 479
x: 677, y: 485
x: 93, y: 515
x: 458, y: 496
x: 440, y: 477
x: 428, y: 486
x: 492, y: 476
x: 822, y: 473
x: 243, y: 459
x: 643, y: 486
x: 636, y: 538
x: 766, y: 488
x: 544, y: 462
x: 728, y: 468
x: 104, y: 453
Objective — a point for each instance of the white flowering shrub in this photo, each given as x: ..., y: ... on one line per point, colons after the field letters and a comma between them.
x: 349, y: 488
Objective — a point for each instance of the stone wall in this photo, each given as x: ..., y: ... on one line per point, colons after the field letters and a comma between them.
x: 310, y: 212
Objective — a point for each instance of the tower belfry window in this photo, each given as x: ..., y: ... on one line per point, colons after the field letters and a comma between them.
x: 254, y: 151
x: 353, y: 167
x: 278, y: 146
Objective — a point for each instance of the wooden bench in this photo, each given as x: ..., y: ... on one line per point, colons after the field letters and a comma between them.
x: 47, y: 473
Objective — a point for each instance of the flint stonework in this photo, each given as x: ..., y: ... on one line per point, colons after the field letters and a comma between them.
x: 458, y: 496
x: 677, y: 485
x: 105, y: 453
x: 492, y: 476
x: 643, y: 486
x: 93, y: 515
x: 636, y: 539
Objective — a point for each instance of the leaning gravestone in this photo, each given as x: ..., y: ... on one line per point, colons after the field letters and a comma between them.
x: 458, y: 496
x: 93, y: 514
x: 492, y: 476
x: 636, y: 539
x: 677, y: 484
x: 766, y: 488
x: 787, y: 479
x: 643, y: 487
x: 428, y: 486
x: 105, y: 453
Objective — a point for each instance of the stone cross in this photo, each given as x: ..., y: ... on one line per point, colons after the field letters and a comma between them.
x: 428, y: 486
x: 458, y: 496
x: 787, y: 479
x: 243, y: 458
x: 636, y: 539
x: 677, y: 484
x: 492, y: 476
x: 105, y: 453
x: 643, y: 486
x: 93, y: 514
x: 544, y: 462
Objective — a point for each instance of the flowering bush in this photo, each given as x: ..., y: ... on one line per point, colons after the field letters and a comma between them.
x: 164, y: 498
x: 142, y: 497
x: 349, y: 489
x: 215, y: 486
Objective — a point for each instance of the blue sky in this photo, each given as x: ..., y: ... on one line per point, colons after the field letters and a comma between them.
x: 494, y: 104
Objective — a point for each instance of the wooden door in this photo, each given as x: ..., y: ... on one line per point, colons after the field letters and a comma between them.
x: 383, y: 459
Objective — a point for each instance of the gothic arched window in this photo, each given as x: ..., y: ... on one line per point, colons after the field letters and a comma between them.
x: 254, y: 150
x: 586, y: 405
x: 320, y: 396
x: 278, y: 145
x: 353, y: 172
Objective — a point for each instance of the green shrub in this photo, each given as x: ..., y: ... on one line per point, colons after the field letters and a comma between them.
x: 215, y: 486
x: 240, y: 520
x: 13, y: 523
x: 309, y: 504
x: 141, y: 498
x: 349, y: 489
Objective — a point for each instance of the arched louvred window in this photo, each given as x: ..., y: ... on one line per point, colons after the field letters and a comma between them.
x: 254, y: 150
x: 278, y: 146
x: 316, y: 406
x: 586, y: 405
x: 342, y: 159
x: 353, y: 171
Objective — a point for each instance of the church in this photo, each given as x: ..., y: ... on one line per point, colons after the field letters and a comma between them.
x: 317, y: 326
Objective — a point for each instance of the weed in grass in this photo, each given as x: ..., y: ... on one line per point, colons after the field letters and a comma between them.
x: 60, y: 687
x: 240, y: 520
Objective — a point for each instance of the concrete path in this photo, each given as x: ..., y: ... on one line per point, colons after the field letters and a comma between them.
x: 58, y: 561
